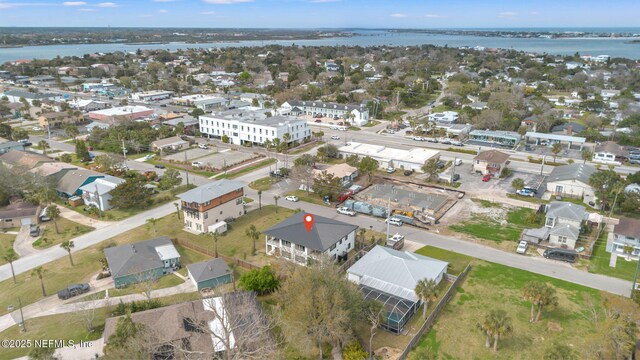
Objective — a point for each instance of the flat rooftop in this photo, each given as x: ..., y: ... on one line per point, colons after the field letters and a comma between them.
x: 403, y: 197
x: 123, y: 110
x: 415, y: 155
x: 254, y: 117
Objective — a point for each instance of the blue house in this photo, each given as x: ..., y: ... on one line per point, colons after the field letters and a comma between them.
x: 70, y: 183
x: 209, y: 274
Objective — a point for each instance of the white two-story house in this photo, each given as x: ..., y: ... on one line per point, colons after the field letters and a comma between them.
x: 328, y: 237
x: 626, y: 233
x: 562, y: 226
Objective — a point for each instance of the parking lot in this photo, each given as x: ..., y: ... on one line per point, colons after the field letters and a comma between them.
x: 225, y: 157
x: 193, y: 153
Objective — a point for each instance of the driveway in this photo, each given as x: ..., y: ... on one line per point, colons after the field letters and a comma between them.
x: 23, y: 243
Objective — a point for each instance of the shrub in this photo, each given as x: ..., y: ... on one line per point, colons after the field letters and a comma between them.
x: 354, y: 351
x: 262, y: 281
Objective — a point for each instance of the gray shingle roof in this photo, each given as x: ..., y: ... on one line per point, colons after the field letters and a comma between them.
x: 396, y: 272
x: 580, y: 172
x: 566, y: 210
x: 70, y: 182
x: 209, y: 269
x: 135, y: 258
x: 206, y: 192
x: 324, y: 233
x: 565, y: 230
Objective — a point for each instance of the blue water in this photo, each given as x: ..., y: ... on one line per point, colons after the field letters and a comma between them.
x: 609, y: 46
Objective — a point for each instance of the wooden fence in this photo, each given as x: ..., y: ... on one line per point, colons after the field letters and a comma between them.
x: 227, y: 259
x: 434, y: 314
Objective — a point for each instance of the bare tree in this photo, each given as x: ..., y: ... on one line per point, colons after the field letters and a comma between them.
x: 87, y: 313
x: 145, y: 282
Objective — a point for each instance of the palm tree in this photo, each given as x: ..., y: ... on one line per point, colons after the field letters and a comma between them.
x: 586, y: 154
x: 286, y: 137
x: 275, y: 198
x: 253, y: 233
x: 494, y: 325
x: 215, y: 236
x: 517, y: 183
x: 259, y: 199
x: 540, y: 295
x: 362, y: 232
x: 53, y: 213
x: 10, y: 256
x: 153, y: 222
x: 555, y: 149
x: 426, y: 291
x: 68, y: 245
x: 39, y: 273
x: 43, y: 144
x: 177, y: 205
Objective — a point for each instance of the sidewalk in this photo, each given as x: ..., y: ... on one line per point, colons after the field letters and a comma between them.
x: 82, y: 219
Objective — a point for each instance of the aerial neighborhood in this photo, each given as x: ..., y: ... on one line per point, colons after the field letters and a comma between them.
x: 303, y: 202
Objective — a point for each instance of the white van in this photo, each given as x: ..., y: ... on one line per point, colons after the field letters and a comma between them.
x: 394, y: 221
x: 342, y: 128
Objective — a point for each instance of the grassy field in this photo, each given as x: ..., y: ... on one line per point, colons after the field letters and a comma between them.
x: 60, y: 273
x: 263, y: 184
x: 6, y: 242
x: 166, y: 281
x: 303, y: 196
x: 68, y: 230
x: 372, y: 123
x: 485, y: 228
x: 493, y: 286
x: 457, y: 262
x: 247, y: 169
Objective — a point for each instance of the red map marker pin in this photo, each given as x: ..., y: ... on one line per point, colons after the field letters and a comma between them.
x: 308, y: 222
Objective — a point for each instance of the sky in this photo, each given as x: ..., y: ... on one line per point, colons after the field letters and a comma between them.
x: 322, y: 13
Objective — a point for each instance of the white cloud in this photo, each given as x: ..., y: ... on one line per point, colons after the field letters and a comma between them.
x: 507, y: 14
x: 74, y: 3
x: 208, y: 13
x: 434, y: 16
x: 163, y: 11
x: 87, y: 10
x: 107, y: 5
x: 398, y: 15
x: 226, y: 2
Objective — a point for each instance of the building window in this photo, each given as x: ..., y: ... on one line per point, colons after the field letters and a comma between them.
x: 220, y: 212
x: 333, y: 247
x: 286, y: 243
x: 206, y: 215
x: 299, y: 247
x: 348, y: 246
x: 562, y: 239
x: 550, y: 222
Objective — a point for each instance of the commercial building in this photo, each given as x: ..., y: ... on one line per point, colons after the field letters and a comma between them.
x: 550, y: 139
x: 130, y: 112
x: 156, y: 95
x: 173, y: 143
x: 290, y: 239
x: 508, y: 139
x: 447, y: 117
x: 610, y: 153
x: 412, y: 159
x: 15, y: 96
x: 572, y: 180
x: 255, y: 127
x: 356, y: 114
x: 490, y: 162
x: 209, y: 204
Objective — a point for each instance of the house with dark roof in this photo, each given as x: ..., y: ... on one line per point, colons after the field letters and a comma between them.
x: 149, y: 259
x: 290, y: 239
x: 24, y: 159
x: 490, y: 162
x: 70, y: 184
x: 209, y: 204
x: 626, y: 233
x: 210, y: 273
x: 53, y: 170
x: 572, y: 180
x: 390, y: 276
x: 17, y: 214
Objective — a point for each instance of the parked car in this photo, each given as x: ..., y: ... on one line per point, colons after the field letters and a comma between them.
x: 335, y: 137
x: 334, y: 128
x: 530, y: 189
x: 431, y: 140
x: 317, y: 120
x: 458, y: 162
x: 441, y: 164
x: 408, y: 172
x: 396, y: 237
x: 291, y: 198
x: 27, y: 143
x: 163, y: 105
x: 197, y: 164
x: 203, y: 146
x: 391, y: 170
x: 342, y: 128
x: 522, y: 247
x: 486, y: 178
x: 346, y: 211
x: 159, y: 166
x: 73, y: 290
x: 148, y: 157
x: 456, y: 177
x: 34, y: 230
x: 561, y: 254
x: 394, y: 221
x: 457, y: 143
x: 418, y: 138
x: 525, y: 192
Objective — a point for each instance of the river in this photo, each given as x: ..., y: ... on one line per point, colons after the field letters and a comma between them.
x: 566, y: 46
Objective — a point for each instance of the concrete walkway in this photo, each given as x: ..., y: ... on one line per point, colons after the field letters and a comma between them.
x: 82, y: 219
x: 23, y: 244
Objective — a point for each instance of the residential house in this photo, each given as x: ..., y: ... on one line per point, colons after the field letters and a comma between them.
x: 58, y: 119
x: 70, y: 183
x: 6, y: 146
x: 610, y: 153
x: 17, y: 214
x: 626, y: 233
x: 390, y: 276
x: 209, y: 274
x: 345, y: 172
x: 290, y: 239
x: 447, y: 117
x: 209, y: 204
x: 89, y: 105
x: 190, y: 124
x: 572, y: 180
x: 173, y: 143
x: 490, y: 162
x: 53, y: 170
x: 330, y: 65
x: 562, y: 227
x: 141, y: 261
x: 357, y: 114
x: 98, y: 193
x: 15, y: 96
x: 24, y: 159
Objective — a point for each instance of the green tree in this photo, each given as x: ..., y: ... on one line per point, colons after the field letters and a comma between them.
x: 586, y: 155
x: 556, y: 148
x: 275, y: 199
x: 423, y: 353
x: 82, y: 152
x: 262, y: 281
x: 10, y: 256
x: 367, y: 166
x: 66, y: 157
x: 559, y: 351
x: 541, y: 296
x: 19, y: 134
x: 43, y: 144
x: 517, y: 184
x: 170, y: 179
x: 305, y: 160
x: 68, y: 245
x: 430, y: 168
x: 245, y: 77
x: 197, y: 112
x: 131, y: 194
x: 42, y: 353
x: 6, y: 131
x: 354, y: 351
x: 325, y: 184
x: 153, y: 222
x: 225, y: 139
x: 71, y: 130
x: 53, y: 213
x: 39, y: 273
x: 495, y: 325
x: 426, y: 290
x: 253, y: 233
x: 605, y: 183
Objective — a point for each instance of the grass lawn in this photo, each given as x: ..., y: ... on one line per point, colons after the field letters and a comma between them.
x: 457, y: 262
x: 263, y: 184
x: 306, y: 147
x: 6, y: 242
x: 372, y: 123
x: 247, y: 169
x: 489, y: 229
x: 354, y: 128
x: 68, y: 230
x: 492, y: 286
x: 166, y: 281
x: 303, y: 196
x: 600, y: 262
x: 247, y: 200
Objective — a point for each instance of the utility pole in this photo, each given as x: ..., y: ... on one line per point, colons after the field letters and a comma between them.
x: 49, y: 134
x: 186, y: 171
x: 453, y: 170
x: 24, y: 326
x: 544, y: 157
x: 635, y: 278
x: 124, y: 154
x: 388, y: 218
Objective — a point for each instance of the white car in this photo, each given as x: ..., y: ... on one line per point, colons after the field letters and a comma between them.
x: 203, y: 146
x: 522, y: 247
x: 197, y: 164
x: 458, y: 162
x: 36, y: 128
x: 396, y: 237
x: 342, y: 128
x: 291, y: 198
x: 346, y: 211
x: 394, y: 221
x: 418, y: 138
x: 334, y: 128
x: 391, y: 170
x: 335, y: 137
x: 149, y: 157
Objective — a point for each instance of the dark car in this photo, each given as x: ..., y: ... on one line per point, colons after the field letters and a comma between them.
x: 408, y: 172
x: 73, y: 290
x: 159, y: 166
x: 34, y: 230
x: 456, y: 177
x: 441, y: 164
x: 27, y: 143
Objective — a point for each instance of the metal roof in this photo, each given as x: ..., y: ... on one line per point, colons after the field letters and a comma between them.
x: 565, y: 230
x: 396, y: 272
x: 580, y: 172
x: 210, y: 191
x: 324, y: 233
x: 555, y: 137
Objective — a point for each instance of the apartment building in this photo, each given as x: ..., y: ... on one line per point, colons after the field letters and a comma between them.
x: 209, y: 204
